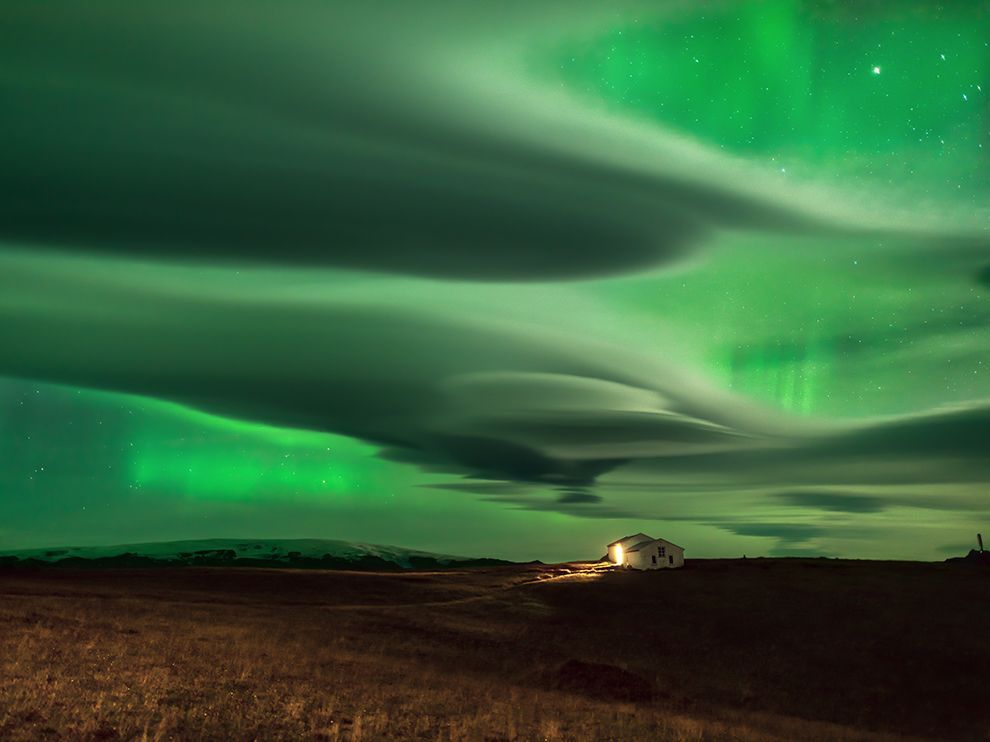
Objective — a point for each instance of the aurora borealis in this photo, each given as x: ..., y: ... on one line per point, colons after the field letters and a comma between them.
x: 504, y: 280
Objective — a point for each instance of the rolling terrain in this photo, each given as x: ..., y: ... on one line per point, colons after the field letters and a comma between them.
x: 723, y: 649
x: 227, y: 552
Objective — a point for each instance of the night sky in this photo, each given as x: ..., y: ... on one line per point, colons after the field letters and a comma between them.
x: 502, y: 279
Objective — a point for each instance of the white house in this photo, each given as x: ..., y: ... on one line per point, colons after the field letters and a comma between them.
x: 640, y: 551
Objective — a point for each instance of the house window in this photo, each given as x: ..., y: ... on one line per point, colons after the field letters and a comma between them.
x: 654, y: 560
x: 671, y: 558
x: 662, y: 551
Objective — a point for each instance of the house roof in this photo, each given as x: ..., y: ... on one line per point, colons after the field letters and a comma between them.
x: 640, y: 544
x: 639, y: 541
x: 650, y: 542
x: 638, y: 536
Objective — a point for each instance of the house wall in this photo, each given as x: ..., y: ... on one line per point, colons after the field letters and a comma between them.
x: 643, y: 559
x: 671, y: 551
x: 625, y: 544
x: 612, y: 554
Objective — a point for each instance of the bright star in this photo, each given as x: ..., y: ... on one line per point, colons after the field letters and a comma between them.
x: 876, y: 70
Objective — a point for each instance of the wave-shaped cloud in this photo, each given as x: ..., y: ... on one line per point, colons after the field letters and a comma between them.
x: 280, y: 134
x: 490, y: 400
x: 409, y: 138
x: 494, y: 399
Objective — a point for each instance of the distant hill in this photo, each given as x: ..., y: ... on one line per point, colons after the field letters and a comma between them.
x: 295, y: 553
x: 973, y: 557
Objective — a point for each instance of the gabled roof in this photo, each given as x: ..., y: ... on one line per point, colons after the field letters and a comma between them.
x: 650, y: 542
x: 639, y: 540
x: 640, y: 545
x: 638, y: 536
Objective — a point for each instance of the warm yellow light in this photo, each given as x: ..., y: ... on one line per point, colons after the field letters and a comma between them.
x: 618, y: 554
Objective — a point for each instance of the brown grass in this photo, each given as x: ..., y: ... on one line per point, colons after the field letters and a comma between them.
x: 724, y: 650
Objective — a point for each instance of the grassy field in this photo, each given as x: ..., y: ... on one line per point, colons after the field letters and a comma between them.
x: 754, y: 649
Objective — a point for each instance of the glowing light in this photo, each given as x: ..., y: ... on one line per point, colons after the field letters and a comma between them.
x: 876, y: 70
x: 618, y: 554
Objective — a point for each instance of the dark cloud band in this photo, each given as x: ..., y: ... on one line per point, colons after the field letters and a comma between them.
x: 491, y: 400
x: 241, y: 135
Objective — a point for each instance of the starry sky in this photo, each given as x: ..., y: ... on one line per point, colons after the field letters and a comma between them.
x: 498, y: 279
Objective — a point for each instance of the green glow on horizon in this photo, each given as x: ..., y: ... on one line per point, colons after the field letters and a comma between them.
x: 804, y: 310
x: 227, y: 472
x: 204, y: 456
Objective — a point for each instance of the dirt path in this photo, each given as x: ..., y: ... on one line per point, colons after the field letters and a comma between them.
x: 587, y: 573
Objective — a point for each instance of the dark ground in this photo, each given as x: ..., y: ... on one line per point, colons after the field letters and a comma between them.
x: 743, y: 649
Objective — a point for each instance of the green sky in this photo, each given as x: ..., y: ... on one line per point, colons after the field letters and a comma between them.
x: 501, y: 282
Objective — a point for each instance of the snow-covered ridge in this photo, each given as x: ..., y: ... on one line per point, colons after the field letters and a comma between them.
x: 303, y: 552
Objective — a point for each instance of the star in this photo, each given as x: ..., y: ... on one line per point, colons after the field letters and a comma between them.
x: 876, y: 70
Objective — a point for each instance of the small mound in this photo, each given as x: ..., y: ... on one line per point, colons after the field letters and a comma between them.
x: 974, y: 557
x: 601, y: 681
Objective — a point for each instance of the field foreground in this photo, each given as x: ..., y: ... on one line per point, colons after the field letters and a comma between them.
x: 723, y: 649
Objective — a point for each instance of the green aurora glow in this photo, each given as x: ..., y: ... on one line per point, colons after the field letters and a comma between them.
x: 502, y: 284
